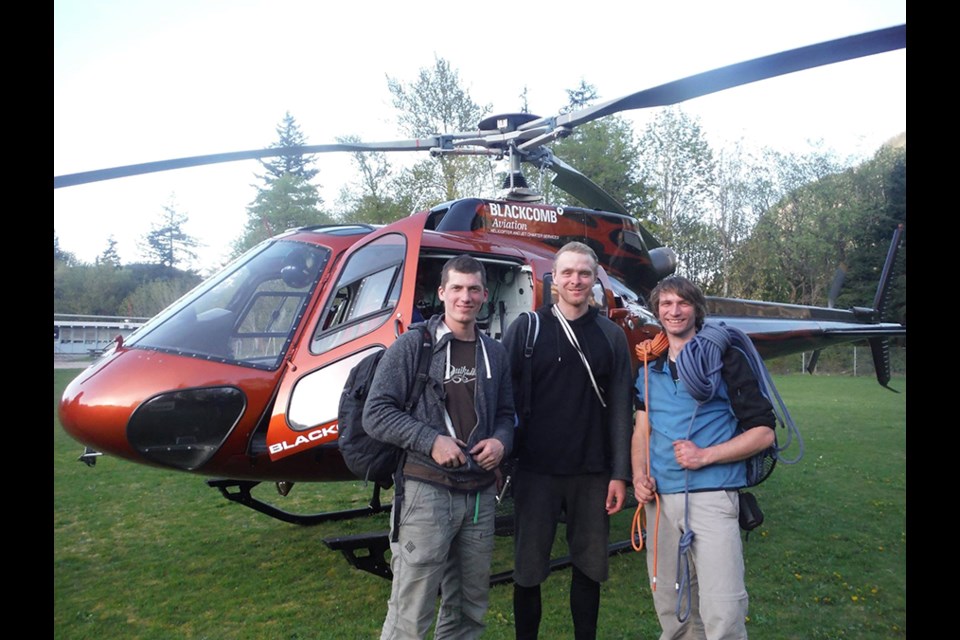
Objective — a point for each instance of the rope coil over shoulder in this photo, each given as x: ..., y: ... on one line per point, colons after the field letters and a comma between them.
x: 699, y: 366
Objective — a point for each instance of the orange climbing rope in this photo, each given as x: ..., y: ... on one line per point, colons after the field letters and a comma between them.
x: 647, y: 351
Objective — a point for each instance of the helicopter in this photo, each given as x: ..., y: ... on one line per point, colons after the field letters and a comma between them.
x: 239, y: 380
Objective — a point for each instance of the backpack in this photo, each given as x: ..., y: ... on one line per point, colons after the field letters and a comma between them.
x: 368, y: 458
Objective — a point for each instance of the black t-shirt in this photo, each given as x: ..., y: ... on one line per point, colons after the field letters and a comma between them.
x: 460, y: 385
x: 567, y: 431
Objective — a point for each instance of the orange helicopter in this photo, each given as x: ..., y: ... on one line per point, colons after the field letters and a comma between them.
x: 239, y: 381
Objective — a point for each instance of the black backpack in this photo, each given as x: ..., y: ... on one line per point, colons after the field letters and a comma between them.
x: 368, y: 458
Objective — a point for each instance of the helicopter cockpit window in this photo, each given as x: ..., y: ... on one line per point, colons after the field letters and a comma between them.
x: 245, y: 315
x: 364, y: 295
x: 632, y: 300
x: 599, y: 296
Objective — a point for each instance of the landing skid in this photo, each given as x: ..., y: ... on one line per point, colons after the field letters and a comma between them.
x: 239, y: 491
x: 367, y: 552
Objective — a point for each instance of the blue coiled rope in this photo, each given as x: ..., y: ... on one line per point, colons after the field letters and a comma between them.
x: 700, y: 363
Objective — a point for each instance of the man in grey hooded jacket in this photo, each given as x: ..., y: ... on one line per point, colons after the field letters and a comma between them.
x: 454, y: 439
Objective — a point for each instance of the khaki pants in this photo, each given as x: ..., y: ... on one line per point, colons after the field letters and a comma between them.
x: 717, y: 595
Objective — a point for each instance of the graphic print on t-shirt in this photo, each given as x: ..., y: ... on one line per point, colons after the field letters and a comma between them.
x: 459, y: 384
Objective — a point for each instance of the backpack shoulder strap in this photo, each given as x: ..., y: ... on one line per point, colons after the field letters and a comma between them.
x: 533, y: 331
x: 526, y: 373
x: 423, y: 373
x: 423, y: 369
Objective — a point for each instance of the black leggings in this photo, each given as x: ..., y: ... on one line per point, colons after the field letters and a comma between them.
x: 584, y: 608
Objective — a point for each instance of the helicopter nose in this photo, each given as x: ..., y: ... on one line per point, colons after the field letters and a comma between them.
x: 181, y: 428
x: 185, y: 428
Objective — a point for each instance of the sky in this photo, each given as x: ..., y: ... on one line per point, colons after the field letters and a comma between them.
x: 141, y: 80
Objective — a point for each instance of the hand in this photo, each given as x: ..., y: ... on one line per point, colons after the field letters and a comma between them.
x: 689, y: 455
x: 644, y: 488
x: 446, y: 451
x: 616, y: 496
x: 488, y: 453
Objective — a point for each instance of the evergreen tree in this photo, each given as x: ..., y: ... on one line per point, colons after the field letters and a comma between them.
x: 288, y: 135
x: 287, y: 198
x: 59, y: 255
x: 167, y: 243
x: 110, y: 257
x: 580, y: 97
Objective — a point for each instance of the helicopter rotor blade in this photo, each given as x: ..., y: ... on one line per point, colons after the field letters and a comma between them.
x: 838, y: 277
x: 439, y: 142
x: 582, y: 187
x: 590, y: 193
x: 528, y: 133
x: 771, y: 66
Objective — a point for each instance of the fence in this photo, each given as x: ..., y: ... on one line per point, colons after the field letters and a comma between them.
x: 844, y: 360
x: 89, y: 335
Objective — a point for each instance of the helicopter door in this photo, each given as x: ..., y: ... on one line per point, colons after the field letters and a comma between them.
x: 368, y: 303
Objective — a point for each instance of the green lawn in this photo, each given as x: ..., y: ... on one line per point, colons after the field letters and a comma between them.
x: 143, y: 553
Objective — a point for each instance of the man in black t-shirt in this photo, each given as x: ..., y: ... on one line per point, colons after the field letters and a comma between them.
x: 573, y: 449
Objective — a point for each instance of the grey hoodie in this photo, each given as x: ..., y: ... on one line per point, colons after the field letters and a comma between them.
x: 384, y: 418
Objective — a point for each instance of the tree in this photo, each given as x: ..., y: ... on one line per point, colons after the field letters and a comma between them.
x: 370, y: 199
x: 287, y: 198
x: 151, y: 297
x: 733, y: 214
x: 580, y: 97
x: 799, y: 241
x: 678, y: 167
x: 288, y: 135
x: 880, y: 186
x: 167, y: 243
x: 110, y: 257
x: 524, y: 101
x: 90, y: 289
x: 436, y: 103
x: 59, y: 255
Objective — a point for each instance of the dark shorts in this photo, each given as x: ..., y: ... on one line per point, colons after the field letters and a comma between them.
x: 540, y: 502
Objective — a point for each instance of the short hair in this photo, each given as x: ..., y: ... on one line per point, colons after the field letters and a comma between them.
x: 685, y: 289
x: 463, y: 264
x: 577, y: 247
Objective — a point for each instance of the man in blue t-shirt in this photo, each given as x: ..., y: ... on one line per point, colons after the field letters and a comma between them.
x: 688, y: 463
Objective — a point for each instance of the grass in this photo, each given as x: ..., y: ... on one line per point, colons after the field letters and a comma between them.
x: 143, y: 553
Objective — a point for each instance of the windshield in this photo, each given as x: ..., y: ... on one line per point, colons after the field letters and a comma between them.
x: 247, y: 313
